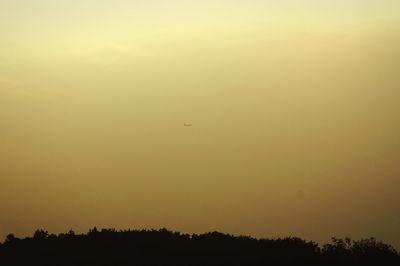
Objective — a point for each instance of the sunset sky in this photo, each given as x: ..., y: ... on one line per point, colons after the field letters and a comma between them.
x: 295, y: 107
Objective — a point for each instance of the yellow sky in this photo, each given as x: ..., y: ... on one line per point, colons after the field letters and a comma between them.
x: 294, y: 106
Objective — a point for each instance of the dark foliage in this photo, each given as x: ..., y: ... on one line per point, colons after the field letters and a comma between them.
x: 163, y: 247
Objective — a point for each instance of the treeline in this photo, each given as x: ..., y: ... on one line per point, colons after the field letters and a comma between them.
x: 163, y: 247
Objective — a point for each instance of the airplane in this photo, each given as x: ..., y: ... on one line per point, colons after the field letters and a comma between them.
x: 187, y: 125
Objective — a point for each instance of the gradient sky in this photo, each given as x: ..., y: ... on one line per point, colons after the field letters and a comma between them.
x: 294, y: 104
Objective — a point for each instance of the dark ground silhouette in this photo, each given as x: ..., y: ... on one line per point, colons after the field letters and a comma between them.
x: 163, y: 247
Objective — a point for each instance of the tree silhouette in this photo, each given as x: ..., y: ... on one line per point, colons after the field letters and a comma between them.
x: 10, y: 239
x: 40, y: 234
x: 164, y: 247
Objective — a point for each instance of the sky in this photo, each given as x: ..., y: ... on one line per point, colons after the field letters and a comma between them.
x: 294, y: 106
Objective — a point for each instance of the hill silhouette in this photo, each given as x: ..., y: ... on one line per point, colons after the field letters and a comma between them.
x: 164, y: 247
